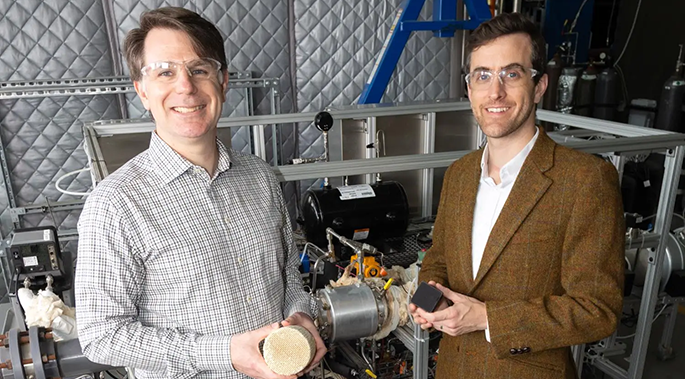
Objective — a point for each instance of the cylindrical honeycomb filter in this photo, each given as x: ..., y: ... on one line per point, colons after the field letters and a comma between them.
x: 289, y: 350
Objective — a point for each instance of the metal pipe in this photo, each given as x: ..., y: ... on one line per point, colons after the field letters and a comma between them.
x: 354, y: 245
x: 610, y: 368
x: 427, y: 174
x: 370, y: 139
x: 420, y: 353
x: 517, y: 6
x: 665, y: 348
x: 326, y: 157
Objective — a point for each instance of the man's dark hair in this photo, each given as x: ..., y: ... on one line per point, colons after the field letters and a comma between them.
x: 204, y: 36
x: 506, y: 24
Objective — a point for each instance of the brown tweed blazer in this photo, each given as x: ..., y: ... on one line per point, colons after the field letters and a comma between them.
x: 552, y: 270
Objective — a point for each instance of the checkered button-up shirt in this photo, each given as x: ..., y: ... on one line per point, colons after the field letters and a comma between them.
x: 172, y: 262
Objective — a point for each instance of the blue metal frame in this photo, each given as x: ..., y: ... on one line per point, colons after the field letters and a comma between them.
x: 444, y: 24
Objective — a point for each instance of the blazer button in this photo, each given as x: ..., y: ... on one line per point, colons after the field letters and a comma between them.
x: 526, y: 349
x: 513, y: 351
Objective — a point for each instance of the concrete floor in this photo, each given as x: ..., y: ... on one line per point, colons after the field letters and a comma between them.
x: 654, y: 368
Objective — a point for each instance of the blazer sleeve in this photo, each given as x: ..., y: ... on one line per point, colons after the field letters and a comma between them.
x: 591, y: 275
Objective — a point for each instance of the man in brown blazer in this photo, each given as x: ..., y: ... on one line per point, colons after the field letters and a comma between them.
x: 529, y: 239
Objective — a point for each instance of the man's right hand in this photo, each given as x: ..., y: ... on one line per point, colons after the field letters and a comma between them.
x: 246, y: 357
x: 420, y: 320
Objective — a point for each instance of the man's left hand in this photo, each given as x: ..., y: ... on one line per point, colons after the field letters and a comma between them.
x: 465, y: 315
x: 306, y: 322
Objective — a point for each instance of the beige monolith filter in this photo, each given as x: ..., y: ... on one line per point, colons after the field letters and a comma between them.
x: 289, y: 350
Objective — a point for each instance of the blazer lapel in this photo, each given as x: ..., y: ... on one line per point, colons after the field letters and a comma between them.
x: 467, y: 205
x: 530, y: 185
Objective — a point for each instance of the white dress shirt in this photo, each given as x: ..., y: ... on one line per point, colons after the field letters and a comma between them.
x: 490, y: 200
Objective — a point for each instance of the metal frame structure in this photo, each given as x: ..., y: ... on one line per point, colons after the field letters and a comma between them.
x: 444, y: 24
x: 630, y: 140
x: 43, y: 88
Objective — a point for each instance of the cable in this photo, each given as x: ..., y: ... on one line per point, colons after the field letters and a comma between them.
x: 623, y: 81
x: 58, y: 181
x: 575, y: 20
x: 630, y: 34
x: 654, y: 319
x: 611, y: 19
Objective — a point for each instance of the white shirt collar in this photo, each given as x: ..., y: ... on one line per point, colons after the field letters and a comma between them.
x: 511, y: 169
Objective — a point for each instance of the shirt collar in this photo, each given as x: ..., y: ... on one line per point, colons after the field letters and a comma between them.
x: 169, y: 164
x: 511, y: 169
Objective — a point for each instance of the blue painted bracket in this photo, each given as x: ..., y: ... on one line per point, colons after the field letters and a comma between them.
x: 444, y: 24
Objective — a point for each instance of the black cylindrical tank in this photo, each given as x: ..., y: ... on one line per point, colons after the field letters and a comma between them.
x: 585, y: 95
x: 605, y: 95
x: 670, y: 113
x: 386, y: 215
x: 553, y: 71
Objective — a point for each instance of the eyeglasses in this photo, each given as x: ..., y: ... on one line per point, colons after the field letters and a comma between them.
x: 168, y: 72
x: 511, y: 77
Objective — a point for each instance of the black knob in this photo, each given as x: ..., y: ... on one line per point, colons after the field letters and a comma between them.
x: 338, y: 222
x: 323, y: 121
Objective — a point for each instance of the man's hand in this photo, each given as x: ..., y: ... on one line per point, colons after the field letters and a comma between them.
x: 306, y: 322
x: 247, y: 358
x: 465, y: 315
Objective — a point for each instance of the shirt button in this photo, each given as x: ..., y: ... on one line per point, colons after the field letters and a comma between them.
x: 249, y: 299
x: 227, y: 220
x: 240, y: 260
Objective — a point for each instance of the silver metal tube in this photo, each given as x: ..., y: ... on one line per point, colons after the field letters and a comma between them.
x: 326, y: 157
x: 420, y: 353
x: 578, y: 352
x: 427, y: 174
x: 258, y: 141
x: 421, y: 161
x: 517, y: 6
x: 370, y: 138
x: 137, y: 126
x: 610, y: 368
x: 316, y: 270
x: 673, y: 165
x: 319, y: 257
x: 598, y: 125
x: 665, y: 348
x: 360, y: 263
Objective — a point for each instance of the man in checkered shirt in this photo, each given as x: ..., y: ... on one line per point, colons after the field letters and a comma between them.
x: 186, y: 259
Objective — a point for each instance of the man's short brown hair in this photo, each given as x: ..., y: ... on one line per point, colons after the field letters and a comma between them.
x: 204, y: 36
x: 506, y: 24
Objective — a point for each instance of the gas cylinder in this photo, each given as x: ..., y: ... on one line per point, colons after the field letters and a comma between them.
x: 605, y: 95
x: 553, y: 71
x: 669, y: 115
x: 585, y: 96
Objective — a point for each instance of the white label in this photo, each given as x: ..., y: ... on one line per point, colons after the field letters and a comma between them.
x: 361, y: 234
x: 647, y: 183
x: 357, y: 191
x: 46, y: 235
x: 30, y: 261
